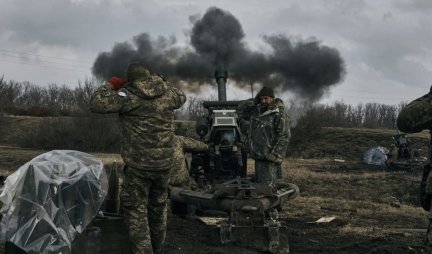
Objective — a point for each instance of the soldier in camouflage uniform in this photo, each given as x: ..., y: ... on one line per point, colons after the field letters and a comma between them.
x: 415, y: 117
x: 145, y: 105
x: 269, y: 133
x: 180, y: 172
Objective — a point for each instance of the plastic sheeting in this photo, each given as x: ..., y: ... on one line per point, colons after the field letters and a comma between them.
x: 375, y: 156
x: 50, y: 199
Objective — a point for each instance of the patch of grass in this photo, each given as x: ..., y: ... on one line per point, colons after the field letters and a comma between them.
x: 349, y: 143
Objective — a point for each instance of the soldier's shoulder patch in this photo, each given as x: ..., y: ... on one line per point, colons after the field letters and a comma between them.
x: 121, y: 94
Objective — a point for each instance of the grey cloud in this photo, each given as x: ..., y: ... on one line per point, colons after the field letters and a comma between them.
x: 88, y: 24
x: 376, y: 34
x: 417, y: 5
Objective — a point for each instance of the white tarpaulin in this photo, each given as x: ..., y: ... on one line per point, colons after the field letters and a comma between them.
x: 50, y: 199
x: 375, y: 156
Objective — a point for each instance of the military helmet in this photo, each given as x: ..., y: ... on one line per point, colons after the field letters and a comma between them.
x: 136, y: 71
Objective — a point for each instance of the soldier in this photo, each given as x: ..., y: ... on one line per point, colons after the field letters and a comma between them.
x: 145, y: 104
x: 415, y: 117
x: 392, y: 156
x: 180, y: 172
x: 269, y: 133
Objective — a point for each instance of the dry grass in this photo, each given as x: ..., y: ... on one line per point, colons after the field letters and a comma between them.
x: 373, y: 207
x: 349, y: 143
x: 11, y: 158
x: 13, y: 127
x: 376, y: 211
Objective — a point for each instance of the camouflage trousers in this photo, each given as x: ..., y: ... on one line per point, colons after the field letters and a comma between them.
x: 144, y: 199
x: 266, y: 171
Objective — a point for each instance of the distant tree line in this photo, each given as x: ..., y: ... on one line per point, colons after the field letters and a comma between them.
x: 94, y: 132
x: 339, y: 114
x: 67, y: 122
x: 24, y: 98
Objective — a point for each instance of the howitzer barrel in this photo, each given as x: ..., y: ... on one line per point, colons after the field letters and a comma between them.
x: 221, y: 78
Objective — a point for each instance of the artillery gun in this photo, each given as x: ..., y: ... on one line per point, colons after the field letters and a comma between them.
x: 251, y: 208
x: 402, y: 156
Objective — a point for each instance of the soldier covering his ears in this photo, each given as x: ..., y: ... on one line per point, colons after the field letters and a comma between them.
x: 145, y: 104
x: 268, y: 129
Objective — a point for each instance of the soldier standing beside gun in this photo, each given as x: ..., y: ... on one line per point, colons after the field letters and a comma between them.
x: 180, y: 172
x: 145, y: 105
x: 268, y: 134
x: 415, y: 117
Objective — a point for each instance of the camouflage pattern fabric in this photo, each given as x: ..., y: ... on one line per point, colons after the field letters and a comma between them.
x: 146, y: 112
x: 180, y: 171
x: 269, y: 132
x: 266, y: 171
x: 416, y: 116
x: 268, y: 137
x: 144, y: 199
x: 392, y: 155
x: 279, y: 171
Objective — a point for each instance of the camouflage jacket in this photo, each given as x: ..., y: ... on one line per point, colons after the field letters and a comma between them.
x: 146, y: 113
x: 269, y: 131
x: 180, y: 171
x: 416, y: 116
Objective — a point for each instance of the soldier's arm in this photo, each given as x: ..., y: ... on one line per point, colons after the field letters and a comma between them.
x: 192, y: 145
x: 179, y: 98
x: 415, y: 116
x: 106, y: 100
x: 283, y: 134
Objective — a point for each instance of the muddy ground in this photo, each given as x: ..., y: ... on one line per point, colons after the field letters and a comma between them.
x: 376, y: 211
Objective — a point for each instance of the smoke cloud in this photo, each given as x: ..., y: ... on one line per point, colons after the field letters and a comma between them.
x: 306, y: 68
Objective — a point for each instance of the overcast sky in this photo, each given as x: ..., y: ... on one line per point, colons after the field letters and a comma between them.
x: 386, y: 45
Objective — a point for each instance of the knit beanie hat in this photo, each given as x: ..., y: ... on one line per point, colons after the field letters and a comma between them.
x: 266, y: 91
x: 136, y: 71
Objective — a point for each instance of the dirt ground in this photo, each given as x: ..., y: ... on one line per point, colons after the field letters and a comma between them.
x: 376, y: 211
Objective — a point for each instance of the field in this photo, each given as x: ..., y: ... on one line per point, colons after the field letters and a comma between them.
x: 375, y: 210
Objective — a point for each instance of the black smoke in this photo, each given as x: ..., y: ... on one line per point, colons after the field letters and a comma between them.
x: 217, y: 43
x: 217, y: 37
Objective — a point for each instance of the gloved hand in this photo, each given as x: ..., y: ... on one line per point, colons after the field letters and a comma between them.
x: 273, y: 158
x: 117, y: 83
